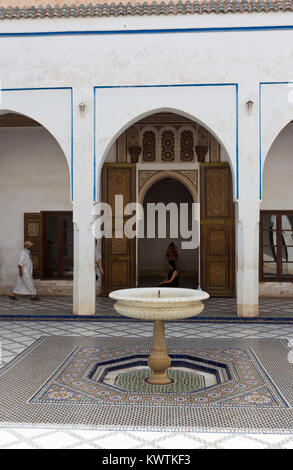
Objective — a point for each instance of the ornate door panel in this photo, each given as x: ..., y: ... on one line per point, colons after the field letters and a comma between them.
x: 118, y: 254
x: 33, y: 232
x: 217, y: 230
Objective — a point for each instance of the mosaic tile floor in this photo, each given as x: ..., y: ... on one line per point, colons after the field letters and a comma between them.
x: 15, y: 336
x: 220, y: 308
x: 81, y: 364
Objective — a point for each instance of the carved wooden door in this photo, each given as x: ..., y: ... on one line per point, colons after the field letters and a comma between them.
x: 33, y: 232
x: 217, y: 230
x: 118, y: 254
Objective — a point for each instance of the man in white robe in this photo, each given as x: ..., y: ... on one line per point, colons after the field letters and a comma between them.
x: 25, y: 284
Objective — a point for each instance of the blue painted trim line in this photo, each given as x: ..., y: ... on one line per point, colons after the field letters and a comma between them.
x: 107, y: 318
x: 176, y: 85
x: 119, y: 32
x: 72, y: 169
x: 71, y: 130
x: 260, y: 137
x: 237, y: 143
x: 260, y: 127
x: 95, y: 157
x: 37, y: 88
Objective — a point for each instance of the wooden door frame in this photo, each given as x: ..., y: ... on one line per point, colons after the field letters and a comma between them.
x: 217, y: 221
x: 105, y: 242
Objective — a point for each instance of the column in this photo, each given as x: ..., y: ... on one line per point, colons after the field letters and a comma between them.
x: 247, y: 262
x: 84, y: 286
x: 247, y: 205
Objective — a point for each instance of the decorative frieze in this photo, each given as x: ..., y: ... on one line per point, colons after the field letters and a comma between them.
x: 167, y: 138
x: 149, y: 146
x: 168, y: 146
x: 186, y: 146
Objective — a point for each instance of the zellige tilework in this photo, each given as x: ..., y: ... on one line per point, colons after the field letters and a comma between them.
x: 17, y: 335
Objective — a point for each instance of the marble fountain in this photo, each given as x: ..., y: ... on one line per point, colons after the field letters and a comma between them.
x: 159, y: 304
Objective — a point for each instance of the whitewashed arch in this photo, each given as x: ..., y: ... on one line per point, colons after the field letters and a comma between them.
x: 116, y: 109
x: 275, y: 113
x: 51, y: 108
x: 278, y: 128
x: 10, y: 111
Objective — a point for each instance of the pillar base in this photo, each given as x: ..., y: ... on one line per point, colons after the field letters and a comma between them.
x: 83, y: 313
x: 159, y: 379
x: 247, y: 310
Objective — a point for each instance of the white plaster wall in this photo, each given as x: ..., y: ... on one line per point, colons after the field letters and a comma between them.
x: 52, y: 108
x: 112, y: 154
x: 211, y: 57
x: 278, y: 173
x: 224, y: 157
x: 34, y: 176
x: 147, y: 58
x: 275, y: 289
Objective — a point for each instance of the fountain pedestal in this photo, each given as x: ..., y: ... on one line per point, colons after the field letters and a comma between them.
x: 159, y: 361
x: 159, y: 304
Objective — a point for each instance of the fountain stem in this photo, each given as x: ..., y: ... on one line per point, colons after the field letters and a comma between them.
x: 159, y: 361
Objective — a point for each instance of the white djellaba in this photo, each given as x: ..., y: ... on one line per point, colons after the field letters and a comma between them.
x: 25, y: 284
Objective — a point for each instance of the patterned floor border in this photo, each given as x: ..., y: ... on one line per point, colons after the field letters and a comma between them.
x: 217, y: 310
x: 107, y: 318
x: 72, y: 426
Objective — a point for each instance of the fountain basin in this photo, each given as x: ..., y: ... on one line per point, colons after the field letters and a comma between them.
x: 145, y: 303
x: 159, y: 304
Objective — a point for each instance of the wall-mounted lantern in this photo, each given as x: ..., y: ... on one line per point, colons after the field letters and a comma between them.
x: 81, y: 107
x: 249, y: 105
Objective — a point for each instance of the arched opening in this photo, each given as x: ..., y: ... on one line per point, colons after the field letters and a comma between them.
x: 167, y: 151
x: 35, y: 205
x: 163, y: 118
x: 152, y: 268
x: 276, y: 218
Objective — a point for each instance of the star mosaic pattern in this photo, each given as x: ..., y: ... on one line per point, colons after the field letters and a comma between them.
x: 16, y: 336
x: 241, y: 381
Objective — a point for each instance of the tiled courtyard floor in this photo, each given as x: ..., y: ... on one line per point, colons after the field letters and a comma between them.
x: 214, y: 307
x: 17, y: 335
